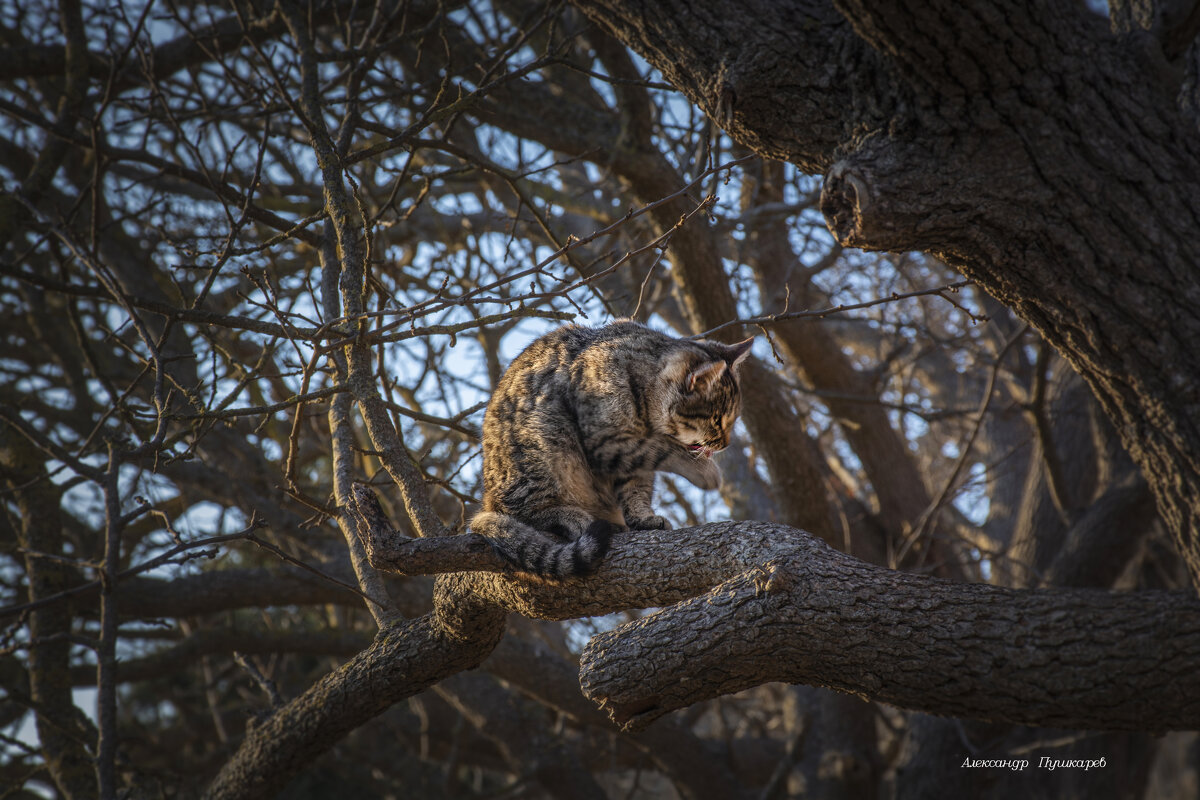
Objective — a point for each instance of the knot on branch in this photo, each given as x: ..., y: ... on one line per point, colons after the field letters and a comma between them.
x: 775, y: 577
x: 378, y: 537
x: 928, y: 192
x: 847, y: 198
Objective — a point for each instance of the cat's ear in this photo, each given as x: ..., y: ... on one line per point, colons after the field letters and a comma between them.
x: 704, y: 376
x: 736, y: 353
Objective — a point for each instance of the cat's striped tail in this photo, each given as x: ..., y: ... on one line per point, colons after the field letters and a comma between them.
x: 543, y: 554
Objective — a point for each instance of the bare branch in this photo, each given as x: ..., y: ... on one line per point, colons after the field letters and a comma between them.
x: 388, y: 549
x: 783, y: 316
x: 821, y: 618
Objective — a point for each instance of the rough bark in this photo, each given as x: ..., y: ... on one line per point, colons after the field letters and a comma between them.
x: 1025, y: 144
x: 787, y: 607
x: 1063, y: 658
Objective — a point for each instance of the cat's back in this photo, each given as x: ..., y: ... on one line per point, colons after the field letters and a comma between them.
x: 574, y: 357
x: 543, y: 366
x: 622, y: 354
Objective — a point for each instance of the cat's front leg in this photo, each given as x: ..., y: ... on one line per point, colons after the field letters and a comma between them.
x: 701, y: 471
x: 622, y: 456
x: 635, y: 495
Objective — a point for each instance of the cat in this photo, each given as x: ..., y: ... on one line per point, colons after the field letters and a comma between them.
x: 579, y: 424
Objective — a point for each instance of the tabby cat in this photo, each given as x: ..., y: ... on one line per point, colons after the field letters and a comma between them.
x: 578, y: 426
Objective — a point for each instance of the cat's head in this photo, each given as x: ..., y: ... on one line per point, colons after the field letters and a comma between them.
x: 706, y: 396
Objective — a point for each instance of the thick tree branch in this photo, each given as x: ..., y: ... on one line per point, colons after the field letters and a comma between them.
x: 1059, y: 658
x: 1101, y: 542
x: 937, y: 44
x: 788, y: 80
x: 1051, y: 657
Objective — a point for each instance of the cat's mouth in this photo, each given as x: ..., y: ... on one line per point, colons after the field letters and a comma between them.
x: 700, y: 449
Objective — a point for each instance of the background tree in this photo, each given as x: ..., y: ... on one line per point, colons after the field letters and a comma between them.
x: 256, y: 253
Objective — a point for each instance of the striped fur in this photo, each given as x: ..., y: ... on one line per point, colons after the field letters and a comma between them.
x: 578, y: 426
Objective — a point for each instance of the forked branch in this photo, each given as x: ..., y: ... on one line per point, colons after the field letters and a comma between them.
x: 787, y: 607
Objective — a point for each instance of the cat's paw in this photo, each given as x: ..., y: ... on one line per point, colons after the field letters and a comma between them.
x: 654, y: 523
x: 706, y: 474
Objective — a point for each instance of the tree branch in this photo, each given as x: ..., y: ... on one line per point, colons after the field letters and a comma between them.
x: 964, y: 650
x: 1061, y: 658
x: 388, y: 549
x: 794, y: 86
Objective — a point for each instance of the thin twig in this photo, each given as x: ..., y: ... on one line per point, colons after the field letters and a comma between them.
x: 427, y: 307
x: 923, y: 523
x: 771, y: 319
x: 297, y: 562
x: 274, y: 408
x: 266, y: 684
x: 1057, y: 484
x: 146, y: 566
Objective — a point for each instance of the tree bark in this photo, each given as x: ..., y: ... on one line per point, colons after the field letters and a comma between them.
x: 787, y: 607
x: 1052, y: 657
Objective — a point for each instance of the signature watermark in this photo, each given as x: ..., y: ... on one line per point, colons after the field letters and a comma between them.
x: 1045, y: 762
